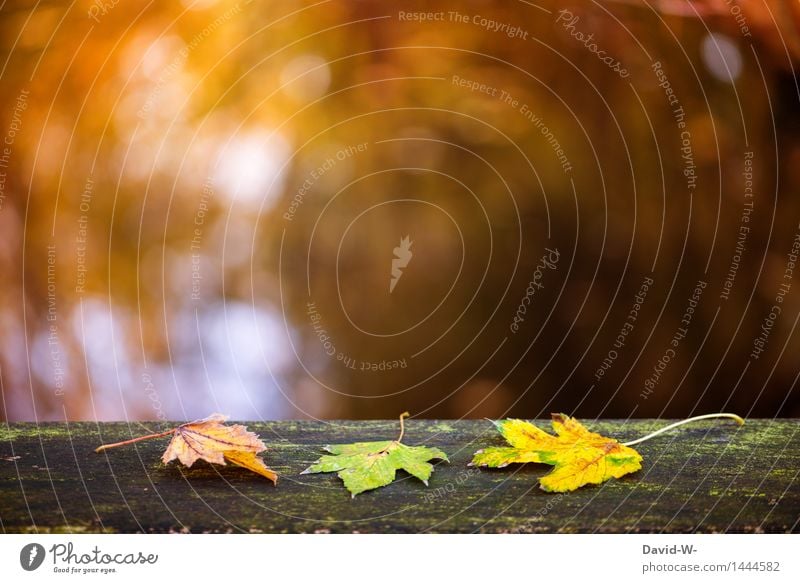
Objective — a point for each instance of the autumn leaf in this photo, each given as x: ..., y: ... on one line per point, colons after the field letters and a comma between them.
x: 372, y: 464
x: 208, y: 439
x: 580, y: 457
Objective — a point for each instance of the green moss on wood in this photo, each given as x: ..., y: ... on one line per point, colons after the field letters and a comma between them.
x: 711, y: 477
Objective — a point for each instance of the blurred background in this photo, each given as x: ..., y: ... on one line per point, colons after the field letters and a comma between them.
x: 349, y: 209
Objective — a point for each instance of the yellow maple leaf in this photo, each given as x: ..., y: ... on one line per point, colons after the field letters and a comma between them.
x: 210, y: 440
x: 580, y: 456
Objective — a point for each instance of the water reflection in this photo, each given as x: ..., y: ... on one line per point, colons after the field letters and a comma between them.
x: 331, y: 211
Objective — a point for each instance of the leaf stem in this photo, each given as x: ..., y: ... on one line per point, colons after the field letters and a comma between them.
x: 736, y: 418
x: 134, y: 440
x: 402, y: 427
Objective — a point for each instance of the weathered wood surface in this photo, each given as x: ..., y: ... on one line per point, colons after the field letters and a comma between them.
x: 709, y: 477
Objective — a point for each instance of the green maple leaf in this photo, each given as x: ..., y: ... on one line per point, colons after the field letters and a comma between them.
x: 371, y: 464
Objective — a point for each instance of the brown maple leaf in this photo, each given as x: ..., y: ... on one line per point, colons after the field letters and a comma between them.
x: 210, y: 440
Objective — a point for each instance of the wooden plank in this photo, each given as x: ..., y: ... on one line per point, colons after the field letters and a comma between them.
x: 709, y: 477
